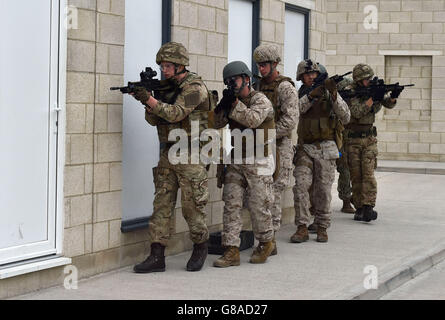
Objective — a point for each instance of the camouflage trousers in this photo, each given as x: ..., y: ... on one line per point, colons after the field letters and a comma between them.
x: 240, y: 181
x: 362, y: 161
x: 168, y: 178
x: 313, y: 184
x: 286, y: 155
x: 344, y: 179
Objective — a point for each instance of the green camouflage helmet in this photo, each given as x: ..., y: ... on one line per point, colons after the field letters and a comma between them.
x: 361, y: 72
x: 236, y: 68
x: 173, y: 52
x: 266, y: 53
x: 306, y: 66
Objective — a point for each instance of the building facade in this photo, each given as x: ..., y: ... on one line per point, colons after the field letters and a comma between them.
x: 404, y: 41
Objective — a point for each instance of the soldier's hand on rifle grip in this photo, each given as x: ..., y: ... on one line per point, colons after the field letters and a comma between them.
x: 317, y: 92
x: 141, y: 94
x: 332, y: 88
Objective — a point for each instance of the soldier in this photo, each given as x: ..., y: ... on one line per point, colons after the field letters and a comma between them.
x: 246, y: 109
x: 189, y: 99
x: 361, y: 145
x: 322, y: 113
x: 344, y: 179
x: 281, y: 92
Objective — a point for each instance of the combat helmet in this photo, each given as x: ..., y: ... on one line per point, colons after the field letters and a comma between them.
x: 173, y: 52
x: 236, y: 68
x: 306, y: 66
x: 361, y: 72
x: 266, y: 53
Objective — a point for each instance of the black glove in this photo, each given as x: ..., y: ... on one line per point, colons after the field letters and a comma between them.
x: 396, y: 93
x: 226, y: 102
x: 378, y: 94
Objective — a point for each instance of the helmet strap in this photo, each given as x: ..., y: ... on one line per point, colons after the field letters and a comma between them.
x: 181, y: 72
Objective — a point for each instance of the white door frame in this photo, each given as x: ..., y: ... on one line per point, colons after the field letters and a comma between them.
x: 56, y: 151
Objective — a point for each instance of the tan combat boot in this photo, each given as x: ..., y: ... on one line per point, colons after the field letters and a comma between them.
x: 301, y: 235
x: 230, y: 258
x: 261, y: 252
x: 322, y: 235
x: 274, y: 251
x: 347, y: 208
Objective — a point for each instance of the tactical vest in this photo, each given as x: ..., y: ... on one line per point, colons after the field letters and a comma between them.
x: 271, y: 92
x: 267, y: 124
x: 318, y: 123
x: 200, y: 113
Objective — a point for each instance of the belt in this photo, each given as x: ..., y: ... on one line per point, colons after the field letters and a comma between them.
x: 363, y: 134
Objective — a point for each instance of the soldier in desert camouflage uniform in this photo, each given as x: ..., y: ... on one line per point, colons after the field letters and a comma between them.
x: 175, y: 110
x: 361, y: 144
x: 320, y: 113
x: 245, y: 110
x: 281, y: 92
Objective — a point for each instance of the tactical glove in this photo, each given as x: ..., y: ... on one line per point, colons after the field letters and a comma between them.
x: 141, y: 94
x: 332, y: 88
x: 396, y: 93
x: 317, y: 92
x: 226, y: 102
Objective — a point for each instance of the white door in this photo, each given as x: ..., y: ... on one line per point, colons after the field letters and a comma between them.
x: 28, y: 132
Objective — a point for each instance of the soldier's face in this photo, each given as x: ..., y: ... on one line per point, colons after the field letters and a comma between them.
x: 168, y: 69
x: 239, y: 82
x: 264, y: 68
x: 308, y: 78
x: 366, y: 82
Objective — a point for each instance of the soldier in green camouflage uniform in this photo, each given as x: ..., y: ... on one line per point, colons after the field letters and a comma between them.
x: 344, y: 179
x: 361, y: 145
x: 248, y: 109
x: 322, y: 111
x: 281, y: 92
x: 175, y: 110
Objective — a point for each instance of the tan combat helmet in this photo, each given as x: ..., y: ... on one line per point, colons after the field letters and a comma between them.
x: 173, y: 52
x: 306, y: 66
x: 266, y: 53
x: 362, y: 72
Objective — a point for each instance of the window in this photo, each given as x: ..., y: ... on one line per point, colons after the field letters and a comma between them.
x: 140, y: 140
x: 296, y: 40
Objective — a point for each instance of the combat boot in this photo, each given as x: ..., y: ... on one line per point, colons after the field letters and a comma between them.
x: 347, y: 208
x: 312, y: 227
x: 301, y: 235
x: 198, y: 257
x: 230, y: 258
x: 368, y: 213
x: 155, y: 261
x: 322, y: 235
x: 358, y: 216
x: 275, y: 250
x: 261, y: 252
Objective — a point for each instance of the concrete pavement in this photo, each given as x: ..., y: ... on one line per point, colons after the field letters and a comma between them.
x: 408, y: 237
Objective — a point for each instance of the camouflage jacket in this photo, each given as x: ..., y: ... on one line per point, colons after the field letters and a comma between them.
x: 361, y: 113
x: 252, y: 116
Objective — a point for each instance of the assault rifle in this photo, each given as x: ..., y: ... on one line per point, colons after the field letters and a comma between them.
x: 151, y: 85
x: 319, y: 81
x: 376, y: 90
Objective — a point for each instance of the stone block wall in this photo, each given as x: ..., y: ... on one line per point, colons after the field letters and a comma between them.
x: 408, y: 45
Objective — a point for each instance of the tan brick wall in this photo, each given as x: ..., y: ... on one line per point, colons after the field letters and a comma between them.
x: 414, y: 129
x: 94, y: 132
